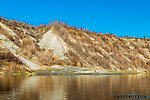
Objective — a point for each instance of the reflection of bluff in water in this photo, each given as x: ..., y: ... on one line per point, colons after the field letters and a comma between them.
x: 71, y: 87
x: 32, y: 88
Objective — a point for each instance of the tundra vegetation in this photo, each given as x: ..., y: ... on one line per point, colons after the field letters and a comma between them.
x: 60, y: 44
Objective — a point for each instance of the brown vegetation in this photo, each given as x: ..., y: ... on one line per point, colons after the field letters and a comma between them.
x: 48, y: 58
x: 85, y: 49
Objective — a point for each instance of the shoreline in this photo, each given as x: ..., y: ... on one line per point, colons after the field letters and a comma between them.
x: 72, y: 70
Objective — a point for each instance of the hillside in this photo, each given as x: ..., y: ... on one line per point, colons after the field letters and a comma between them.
x: 27, y: 47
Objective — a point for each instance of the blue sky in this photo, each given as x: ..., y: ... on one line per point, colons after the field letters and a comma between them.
x: 120, y: 17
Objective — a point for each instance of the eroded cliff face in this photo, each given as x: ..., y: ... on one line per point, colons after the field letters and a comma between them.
x: 51, y: 41
x: 60, y: 44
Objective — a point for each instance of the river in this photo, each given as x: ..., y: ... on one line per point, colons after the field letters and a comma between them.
x: 75, y: 87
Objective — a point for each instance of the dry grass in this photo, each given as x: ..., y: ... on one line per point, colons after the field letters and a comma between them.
x: 88, y: 44
x: 47, y: 58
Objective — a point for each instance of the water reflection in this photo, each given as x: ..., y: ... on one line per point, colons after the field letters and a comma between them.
x: 98, y: 87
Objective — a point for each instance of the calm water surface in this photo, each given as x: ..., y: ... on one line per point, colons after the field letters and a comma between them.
x: 87, y: 87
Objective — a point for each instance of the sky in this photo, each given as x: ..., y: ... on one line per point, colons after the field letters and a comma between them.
x: 119, y: 17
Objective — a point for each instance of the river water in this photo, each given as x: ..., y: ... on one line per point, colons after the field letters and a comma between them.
x: 76, y: 87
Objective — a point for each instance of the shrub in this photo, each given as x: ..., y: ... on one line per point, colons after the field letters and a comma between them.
x: 107, y: 48
x: 48, y: 58
x: 104, y: 63
x: 56, y: 25
x: 27, y: 41
x: 70, y: 53
x: 78, y: 48
x: 9, y: 56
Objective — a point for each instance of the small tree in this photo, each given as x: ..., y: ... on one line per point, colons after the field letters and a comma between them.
x: 144, y: 37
